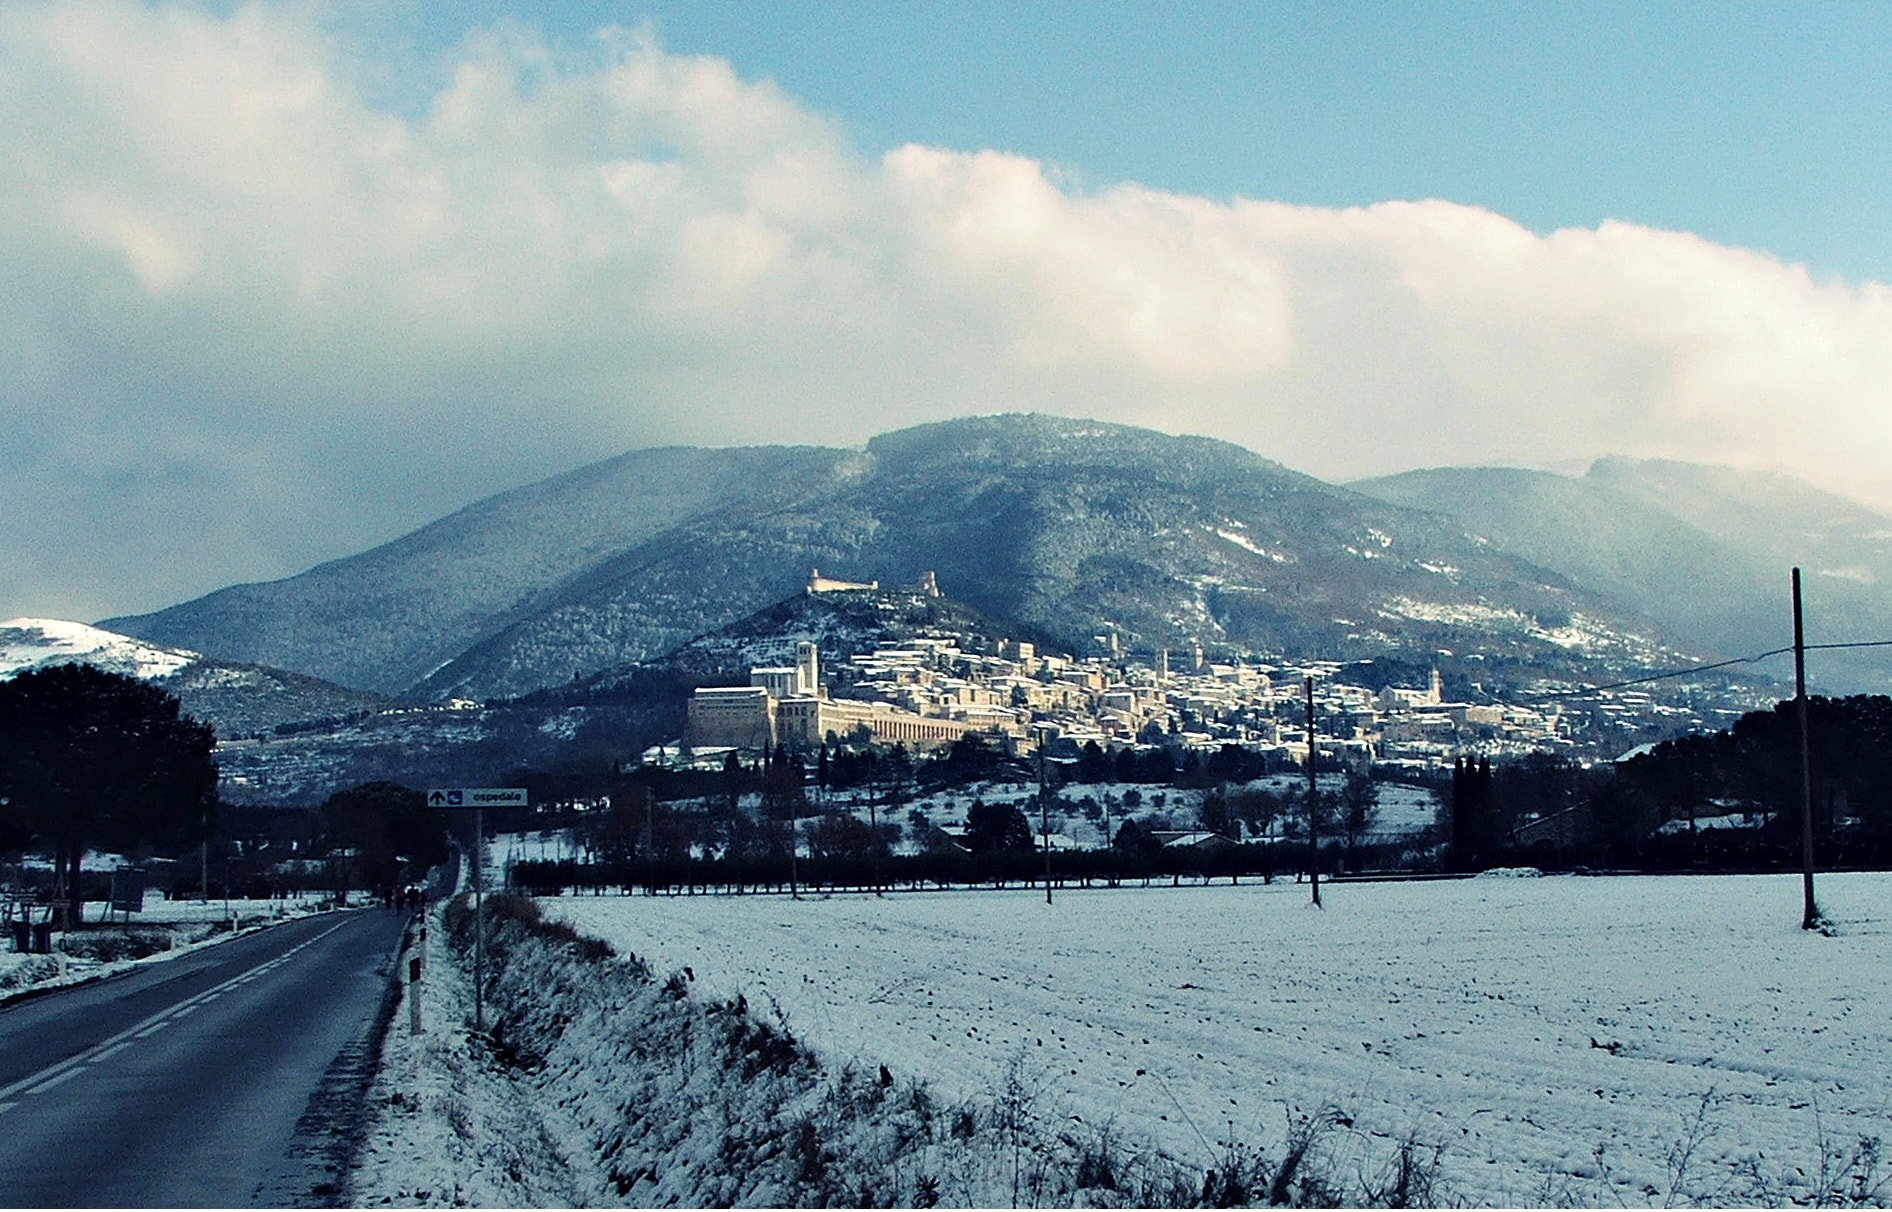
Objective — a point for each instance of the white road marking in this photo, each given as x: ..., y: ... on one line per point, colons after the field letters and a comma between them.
x: 44, y: 1086
x: 6, y: 1107
x: 110, y: 1052
x: 54, y: 1074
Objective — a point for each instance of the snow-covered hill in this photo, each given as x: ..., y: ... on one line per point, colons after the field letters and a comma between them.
x: 237, y: 700
x: 37, y: 643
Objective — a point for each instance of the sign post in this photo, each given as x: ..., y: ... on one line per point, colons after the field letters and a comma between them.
x: 478, y: 799
x: 128, y: 891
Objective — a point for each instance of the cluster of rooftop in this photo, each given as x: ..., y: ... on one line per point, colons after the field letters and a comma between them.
x: 931, y: 691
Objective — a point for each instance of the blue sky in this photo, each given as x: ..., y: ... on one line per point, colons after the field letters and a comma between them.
x: 1759, y: 125
x: 285, y: 280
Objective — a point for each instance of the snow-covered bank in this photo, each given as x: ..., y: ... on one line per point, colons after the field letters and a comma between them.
x: 1590, y: 1041
x: 603, y: 1083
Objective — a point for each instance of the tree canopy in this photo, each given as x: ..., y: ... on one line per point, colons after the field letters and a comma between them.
x: 1755, y: 766
x: 390, y: 829
x: 91, y: 758
x: 997, y: 827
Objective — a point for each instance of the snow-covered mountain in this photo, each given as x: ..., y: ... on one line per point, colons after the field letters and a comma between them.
x: 1068, y: 529
x: 1705, y: 551
x: 386, y: 619
x: 1072, y: 530
x: 237, y: 700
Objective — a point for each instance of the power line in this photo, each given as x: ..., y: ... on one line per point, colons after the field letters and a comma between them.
x: 1682, y: 673
x: 1659, y: 677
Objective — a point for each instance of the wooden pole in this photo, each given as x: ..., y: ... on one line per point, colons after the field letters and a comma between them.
x: 479, y: 925
x: 1810, y: 909
x: 1313, y: 800
x: 1044, y: 821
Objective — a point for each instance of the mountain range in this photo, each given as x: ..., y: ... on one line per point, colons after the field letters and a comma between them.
x: 1077, y: 533
x: 1704, y: 551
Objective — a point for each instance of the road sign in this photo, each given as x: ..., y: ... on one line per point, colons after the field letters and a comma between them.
x: 128, y: 890
x: 477, y: 797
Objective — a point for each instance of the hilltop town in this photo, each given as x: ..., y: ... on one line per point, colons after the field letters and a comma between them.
x: 929, y: 691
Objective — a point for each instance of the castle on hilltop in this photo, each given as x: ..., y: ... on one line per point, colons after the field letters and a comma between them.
x: 820, y: 584
x: 927, y: 586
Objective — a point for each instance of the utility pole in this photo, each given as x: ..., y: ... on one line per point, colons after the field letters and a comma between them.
x: 1044, y: 820
x: 794, y: 856
x: 873, y: 825
x: 479, y: 923
x: 1313, y: 799
x: 1810, y: 911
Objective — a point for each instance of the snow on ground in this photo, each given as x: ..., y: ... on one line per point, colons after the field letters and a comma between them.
x: 189, y: 923
x: 1557, y: 1037
x: 481, y: 1143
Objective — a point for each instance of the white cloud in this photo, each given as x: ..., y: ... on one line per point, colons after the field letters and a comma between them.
x: 233, y: 291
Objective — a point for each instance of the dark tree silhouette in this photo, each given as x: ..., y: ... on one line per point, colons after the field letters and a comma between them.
x: 1217, y: 814
x: 841, y: 835
x: 90, y: 758
x: 386, y: 825
x: 997, y: 827
x: 1359, y: 810
x: 1093, y: 766
x: 783, y: 797
x: 1474, y: 815
x: 971, y: 759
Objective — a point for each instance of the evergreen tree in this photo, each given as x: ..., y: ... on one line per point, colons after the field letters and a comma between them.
x: 383, y: 824
x: 997, y: 827
x: 90, y: 758
x: 1474, y: 819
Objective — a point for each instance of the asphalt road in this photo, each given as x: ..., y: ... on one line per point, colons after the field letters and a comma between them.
x: 228, y: 1077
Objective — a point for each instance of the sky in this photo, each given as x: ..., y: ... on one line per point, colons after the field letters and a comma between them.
x: 280, y: 282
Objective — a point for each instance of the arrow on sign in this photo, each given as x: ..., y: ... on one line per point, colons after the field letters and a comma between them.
x: 477, y: 797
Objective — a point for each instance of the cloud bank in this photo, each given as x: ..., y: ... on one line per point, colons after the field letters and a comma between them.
x: 249, y: 320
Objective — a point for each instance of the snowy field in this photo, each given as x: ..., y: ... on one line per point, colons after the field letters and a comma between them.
x: 1564, y: 1039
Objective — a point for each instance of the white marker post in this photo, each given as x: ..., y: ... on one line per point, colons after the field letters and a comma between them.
x: 478, y: 798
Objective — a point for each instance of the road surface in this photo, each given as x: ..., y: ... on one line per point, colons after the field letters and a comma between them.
x: 230, y: 1076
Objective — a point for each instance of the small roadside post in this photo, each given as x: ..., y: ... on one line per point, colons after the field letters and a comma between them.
x: 478, y: 799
